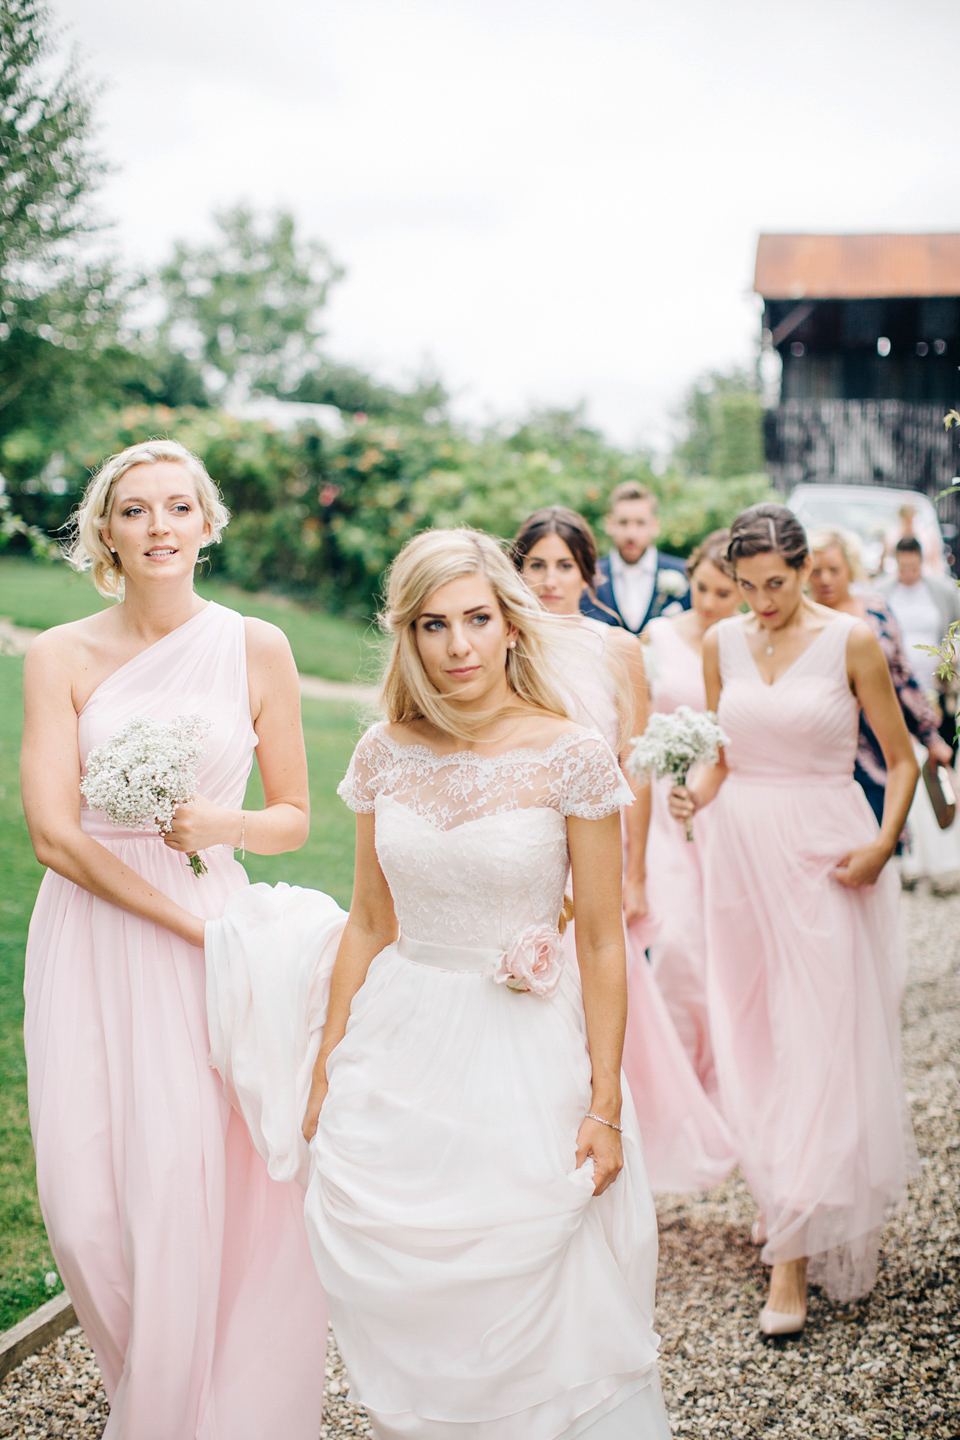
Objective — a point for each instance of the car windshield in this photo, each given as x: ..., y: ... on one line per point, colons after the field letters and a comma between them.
x: 870, y: 516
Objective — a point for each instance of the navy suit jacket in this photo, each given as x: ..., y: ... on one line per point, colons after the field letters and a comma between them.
x: 663, y: 593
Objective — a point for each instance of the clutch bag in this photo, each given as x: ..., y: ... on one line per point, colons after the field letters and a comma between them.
x: 940, y: 790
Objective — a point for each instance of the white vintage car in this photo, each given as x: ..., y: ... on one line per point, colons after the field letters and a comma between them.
x: 873, y: 514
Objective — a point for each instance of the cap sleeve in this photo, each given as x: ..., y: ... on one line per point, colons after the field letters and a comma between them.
x: 368, y: 768
x: 593, y: 784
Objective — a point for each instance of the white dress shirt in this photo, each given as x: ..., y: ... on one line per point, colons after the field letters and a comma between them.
x: 633, y: 585
x: 918, y: 616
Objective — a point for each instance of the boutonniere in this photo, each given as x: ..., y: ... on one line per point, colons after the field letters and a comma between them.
x: 672, y: 582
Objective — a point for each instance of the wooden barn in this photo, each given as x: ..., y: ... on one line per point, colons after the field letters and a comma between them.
x: 867, y: 328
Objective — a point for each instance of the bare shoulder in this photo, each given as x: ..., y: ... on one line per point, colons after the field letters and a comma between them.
x: 862, y: 645
x: 67, y: 651
x: 625, y: 647
x: 711, y: 642
x: 265, y: 642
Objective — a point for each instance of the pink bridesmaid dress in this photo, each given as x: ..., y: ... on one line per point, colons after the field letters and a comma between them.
x: 686, y: 1144
x: 678, y: 948
x: 805, y: 976
x: 188, y: 1266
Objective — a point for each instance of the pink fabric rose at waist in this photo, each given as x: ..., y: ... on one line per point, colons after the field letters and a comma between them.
x: 533, y: 961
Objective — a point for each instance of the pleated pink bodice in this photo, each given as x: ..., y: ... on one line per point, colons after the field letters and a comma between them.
x: 198, y: 669
x: 803, y: 727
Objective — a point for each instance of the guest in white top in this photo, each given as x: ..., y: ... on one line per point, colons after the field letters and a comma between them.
x: 924, y: 606
x: 636, y: 582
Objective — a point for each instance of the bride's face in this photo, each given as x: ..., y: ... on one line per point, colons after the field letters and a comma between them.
x: 554, y: 576
x: 462, y: 640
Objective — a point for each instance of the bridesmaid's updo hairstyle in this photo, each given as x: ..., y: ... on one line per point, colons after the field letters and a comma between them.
x: 572, y: 529
x: 768, y: 529
x: 713, y: 548
x: 87, y: 549
x: 427, y: 562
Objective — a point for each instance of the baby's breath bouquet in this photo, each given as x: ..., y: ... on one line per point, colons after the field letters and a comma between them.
x: 141, y: 776
x: 672, y: 744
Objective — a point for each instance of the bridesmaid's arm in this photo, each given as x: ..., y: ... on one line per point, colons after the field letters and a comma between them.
x: 636, y: 817
x: 284, y: 822
x: 870, y: 681
x: 50, y: 783
x: 595, y: 861
x: 685, y: 800
x: 371, y: 926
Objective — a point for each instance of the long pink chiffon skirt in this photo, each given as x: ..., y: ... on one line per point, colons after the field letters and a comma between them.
x: 805, y: 978
x: 188, y: 1266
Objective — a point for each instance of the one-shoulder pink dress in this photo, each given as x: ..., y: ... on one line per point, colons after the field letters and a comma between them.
x: 805, y: 975
x: 189, y: 1268
x: 678, y: 947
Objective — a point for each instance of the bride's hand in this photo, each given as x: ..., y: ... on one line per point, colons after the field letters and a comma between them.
x: 681, y: 803
x: 602, y: 1144
x: 199, y: 824
x: 318, y: 1093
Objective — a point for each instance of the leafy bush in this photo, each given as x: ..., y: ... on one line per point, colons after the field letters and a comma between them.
x: 321, y: 517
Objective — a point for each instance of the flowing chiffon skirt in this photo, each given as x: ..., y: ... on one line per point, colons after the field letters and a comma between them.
x: 678, y: 947
x: 805, y: 979
x: 188, y: 1266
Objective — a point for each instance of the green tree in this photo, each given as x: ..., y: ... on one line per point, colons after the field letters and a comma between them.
x: 58, y: 316
x: 723, y: 426
x: 248, y: 306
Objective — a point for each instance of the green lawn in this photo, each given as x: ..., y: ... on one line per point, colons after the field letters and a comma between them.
x: 325, y: 862
x: 38, y: 594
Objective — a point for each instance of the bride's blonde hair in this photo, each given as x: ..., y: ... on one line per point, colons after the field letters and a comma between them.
x: 424, y: 564
x: 87, y: 550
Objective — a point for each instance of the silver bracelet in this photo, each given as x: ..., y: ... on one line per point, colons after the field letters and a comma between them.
x: 600, y: 1121
x: 243, y: 835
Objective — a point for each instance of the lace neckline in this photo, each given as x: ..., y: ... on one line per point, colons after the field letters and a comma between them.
x: 516, y: 753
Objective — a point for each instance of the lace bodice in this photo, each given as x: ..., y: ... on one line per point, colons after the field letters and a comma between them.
x: 474, y: 847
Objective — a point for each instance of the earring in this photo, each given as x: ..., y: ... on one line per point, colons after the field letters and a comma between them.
x: 511, y: 644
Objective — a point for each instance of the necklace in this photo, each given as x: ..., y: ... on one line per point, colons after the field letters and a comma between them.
x: 769, y: 649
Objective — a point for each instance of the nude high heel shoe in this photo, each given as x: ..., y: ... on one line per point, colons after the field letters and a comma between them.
x: 791, y: 1322
x: 773, y: 1322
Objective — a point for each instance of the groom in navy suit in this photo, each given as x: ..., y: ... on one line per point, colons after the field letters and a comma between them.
x: 635, y: 582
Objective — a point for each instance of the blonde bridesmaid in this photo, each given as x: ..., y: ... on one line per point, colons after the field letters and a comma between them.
x: 188, y: 1266
x: 674, y: 865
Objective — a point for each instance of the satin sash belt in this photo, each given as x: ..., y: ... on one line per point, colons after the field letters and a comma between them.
x: 474, y: 959
x: 779, y: 778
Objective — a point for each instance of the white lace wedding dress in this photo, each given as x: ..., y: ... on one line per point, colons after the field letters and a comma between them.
x: 477, y: 1289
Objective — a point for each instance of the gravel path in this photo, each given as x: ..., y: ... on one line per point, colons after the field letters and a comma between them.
x: 887, y: 1368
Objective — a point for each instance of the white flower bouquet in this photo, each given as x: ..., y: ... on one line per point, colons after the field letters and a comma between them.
x: 141, y: 776
x: 672, y: 744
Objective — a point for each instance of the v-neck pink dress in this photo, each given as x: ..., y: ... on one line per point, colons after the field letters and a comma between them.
x: 805, y: 975
x: 678, y: 949
x: 189, y: 1268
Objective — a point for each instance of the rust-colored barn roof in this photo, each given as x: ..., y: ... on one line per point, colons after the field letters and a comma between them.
x: 856, y: 267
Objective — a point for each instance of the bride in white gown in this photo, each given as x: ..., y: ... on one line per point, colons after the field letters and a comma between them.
x: 481, y: 1223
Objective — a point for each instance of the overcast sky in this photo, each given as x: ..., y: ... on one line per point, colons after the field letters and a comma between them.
x: 547, y: 200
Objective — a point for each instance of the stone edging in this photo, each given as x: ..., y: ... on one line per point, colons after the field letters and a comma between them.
x: 37, y: 1330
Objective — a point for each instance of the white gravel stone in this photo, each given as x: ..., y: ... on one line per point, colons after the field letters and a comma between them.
x: 887, y: 1368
